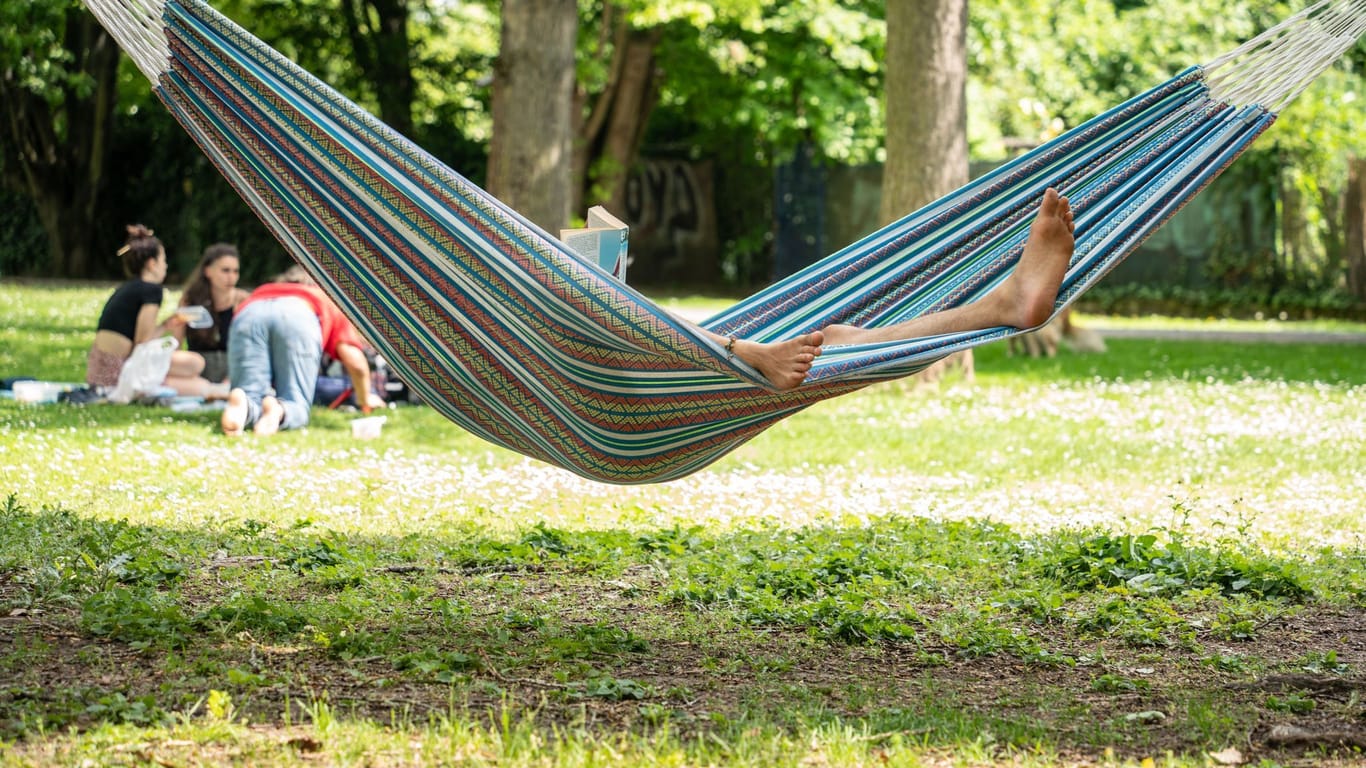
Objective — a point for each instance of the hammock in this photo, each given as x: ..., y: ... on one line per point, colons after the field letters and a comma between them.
x: 504, y: 330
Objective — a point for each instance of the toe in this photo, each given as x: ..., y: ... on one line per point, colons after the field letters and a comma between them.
x: 1051, y: 201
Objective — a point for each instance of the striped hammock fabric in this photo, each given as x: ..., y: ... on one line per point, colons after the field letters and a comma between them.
x: 500, y: 327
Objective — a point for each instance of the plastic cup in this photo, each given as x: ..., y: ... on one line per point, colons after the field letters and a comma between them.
x: 367, y: 428
x: 196, y: 316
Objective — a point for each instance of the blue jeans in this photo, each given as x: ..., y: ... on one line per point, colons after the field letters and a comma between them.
x: 276, y: 344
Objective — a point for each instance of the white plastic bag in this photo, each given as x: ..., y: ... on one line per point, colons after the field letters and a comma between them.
x: 145, y: 370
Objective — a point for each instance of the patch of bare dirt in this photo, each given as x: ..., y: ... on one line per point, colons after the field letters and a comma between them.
x: 694, y: 669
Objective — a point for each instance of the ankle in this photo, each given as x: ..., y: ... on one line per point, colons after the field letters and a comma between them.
x: 1035, y: 310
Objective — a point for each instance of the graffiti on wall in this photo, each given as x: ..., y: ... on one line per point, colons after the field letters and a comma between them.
x: 671, y: 209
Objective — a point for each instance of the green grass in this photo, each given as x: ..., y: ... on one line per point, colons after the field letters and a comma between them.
x: 1267, y: 325
x: 1017, y: 570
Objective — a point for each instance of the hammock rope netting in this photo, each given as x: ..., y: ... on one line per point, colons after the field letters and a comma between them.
x: 496, y: 324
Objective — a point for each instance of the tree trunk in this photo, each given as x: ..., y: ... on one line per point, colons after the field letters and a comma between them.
x: 1354, y: 226
x: 1294, y: 235
x: 614, y: 133
x: 61, y: 148
x: 379, y: 40
x: 927, y: 145
x: 927, y: 118
x: 530, y: 154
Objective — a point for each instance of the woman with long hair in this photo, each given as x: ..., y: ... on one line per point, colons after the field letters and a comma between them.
x: 213, y: 286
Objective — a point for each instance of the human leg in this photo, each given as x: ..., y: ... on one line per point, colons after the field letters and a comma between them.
x: 784, y: 363
x: 1025, y: 299
x: 272, y: 413
x: 185, y: 382
x: 235, y: 414
x: 296, y: 349
x: 102, y: 368
x: 185, y: 364
x: 248, y: 367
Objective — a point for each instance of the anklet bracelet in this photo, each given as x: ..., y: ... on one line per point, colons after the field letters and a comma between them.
x: 730, y: 349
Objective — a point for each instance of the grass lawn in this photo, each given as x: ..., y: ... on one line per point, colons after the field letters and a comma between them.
x: 1154, y: 553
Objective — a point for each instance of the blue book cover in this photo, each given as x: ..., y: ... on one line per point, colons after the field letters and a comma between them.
x: 603, y: 241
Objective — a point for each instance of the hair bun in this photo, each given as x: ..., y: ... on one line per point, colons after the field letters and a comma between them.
x: 137, y: 231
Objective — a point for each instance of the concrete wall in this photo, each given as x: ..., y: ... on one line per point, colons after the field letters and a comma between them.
x: 671, y: 209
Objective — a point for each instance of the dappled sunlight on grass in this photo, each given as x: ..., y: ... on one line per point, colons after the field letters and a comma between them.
x: 1269, y: 435
x: 1279, y: 458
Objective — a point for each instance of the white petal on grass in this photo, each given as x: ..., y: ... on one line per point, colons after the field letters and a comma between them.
x: 1168, y: 449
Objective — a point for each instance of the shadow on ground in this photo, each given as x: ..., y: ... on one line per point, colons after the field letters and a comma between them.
x: 615, y: 631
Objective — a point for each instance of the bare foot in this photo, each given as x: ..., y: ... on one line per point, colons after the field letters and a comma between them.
x: 234, y: 417
x: 268, y: 423
x: 784, y: 363
x: 1029, y: 293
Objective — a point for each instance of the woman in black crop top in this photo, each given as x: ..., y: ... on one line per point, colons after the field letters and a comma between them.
x: 213, y: 285
x: 130, y: 318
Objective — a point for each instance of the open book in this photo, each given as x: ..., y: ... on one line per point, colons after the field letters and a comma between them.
x: 602, y: 241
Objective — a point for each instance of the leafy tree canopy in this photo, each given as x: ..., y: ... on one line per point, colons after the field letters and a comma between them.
x: 758, y: 77
x: 790, y: 72
x: 32, y: 55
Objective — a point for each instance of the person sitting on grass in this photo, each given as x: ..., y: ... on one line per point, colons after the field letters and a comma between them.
x: 277, y: 342
x: 129, y: 318
x: 1024, y: 300
x: 213, y: 286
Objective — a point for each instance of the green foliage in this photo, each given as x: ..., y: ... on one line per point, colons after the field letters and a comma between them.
x: 611, y: 688
x: 81, y: 557
x: 598, y: 639
x: 65, y: 707
x: 818, y: 592
x: 1068, y: 62
x: 975, y: 633
x: 1150, y: 622
x: 452, y: 47
x: 442, y: 666
x: 313, y: 555
x: 1110, y: 683
x: 25, y: 242
x: 118, y: 708
x: 1293, y: 703
x: 33, y: 55
x: 257, y: 614
x: 1246, y: 302
x: 839, y: 583
x: 1322, y: 663
x: 141, y: 617
x: 755, y: 78
x: 1146, y: 565
x: 782, y: 74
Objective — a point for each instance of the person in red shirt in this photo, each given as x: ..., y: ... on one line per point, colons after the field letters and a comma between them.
x: 277, y: 339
